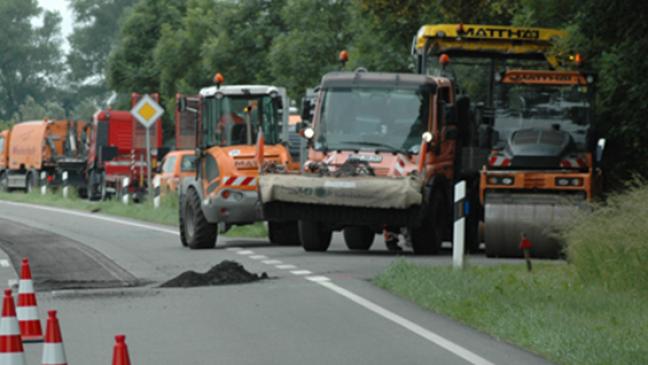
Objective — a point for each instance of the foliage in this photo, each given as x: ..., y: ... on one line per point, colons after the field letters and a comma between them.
x: 29, y: 55
x: 549, y: 311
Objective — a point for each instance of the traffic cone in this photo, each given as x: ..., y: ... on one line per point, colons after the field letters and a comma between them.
x: 11, y: 346
x: 53, y: 350
x: 30, y: 326
x: 120, y: 352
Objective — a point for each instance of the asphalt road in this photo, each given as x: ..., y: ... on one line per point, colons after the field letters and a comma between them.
x: 315, y: 309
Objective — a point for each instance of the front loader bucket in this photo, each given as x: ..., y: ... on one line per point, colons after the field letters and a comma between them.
x: 507, y: 216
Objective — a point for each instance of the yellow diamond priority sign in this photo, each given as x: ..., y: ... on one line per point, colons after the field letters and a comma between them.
x: 147, y: 111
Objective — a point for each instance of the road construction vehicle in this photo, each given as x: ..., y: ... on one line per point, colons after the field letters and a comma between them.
x: 227, y: 125
x: 175, y: 166
x: 381, y: 156
x: 4, y: 158
x: 117, y: 151
x: 53, y: 148
x: 540, y: 158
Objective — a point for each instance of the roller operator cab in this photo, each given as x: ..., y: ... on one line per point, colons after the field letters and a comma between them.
x: 381, y: 156
x: 539, y: 157
x: 226, y: 123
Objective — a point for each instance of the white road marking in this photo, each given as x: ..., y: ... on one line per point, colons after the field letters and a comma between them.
x: 442, y: 342
x: 271, y: 262
x: 321, y: 280
x: 4, y: 263
x: 234, y: 248
x: 286, y: 267
x: 245, y: 252
x: 258, y: 257
x: 301, y: 272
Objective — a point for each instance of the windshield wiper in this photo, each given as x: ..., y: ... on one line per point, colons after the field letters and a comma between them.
x: 374, y: 144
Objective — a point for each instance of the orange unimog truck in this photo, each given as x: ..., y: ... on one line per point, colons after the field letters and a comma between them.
x: 4, y: 158
x: 381, y: 156
x: 52, y: 147
x: 223, y: 122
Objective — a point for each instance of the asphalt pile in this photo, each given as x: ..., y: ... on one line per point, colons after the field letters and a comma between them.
x: 225, y: 273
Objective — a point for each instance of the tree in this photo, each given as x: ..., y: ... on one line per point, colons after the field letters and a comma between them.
x: 95, y: 31
x: 29, y: 55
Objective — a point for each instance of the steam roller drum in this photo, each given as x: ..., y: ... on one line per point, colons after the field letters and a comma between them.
x: 506, y: 216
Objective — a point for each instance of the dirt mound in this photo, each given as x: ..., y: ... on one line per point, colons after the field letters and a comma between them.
x: 227, y: 272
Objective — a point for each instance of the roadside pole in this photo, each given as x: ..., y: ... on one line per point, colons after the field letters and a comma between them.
x: 147, y: 111
x: 458, y: 236
x: 65, y: 185
x: 43, y: 182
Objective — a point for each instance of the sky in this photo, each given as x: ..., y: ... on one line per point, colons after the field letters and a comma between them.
x: 66, y: 13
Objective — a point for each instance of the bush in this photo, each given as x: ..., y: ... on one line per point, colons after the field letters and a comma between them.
x: 609, y: 246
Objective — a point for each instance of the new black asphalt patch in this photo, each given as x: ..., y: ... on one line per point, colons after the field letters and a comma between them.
x: 227, y: 272
x: 58, y: 262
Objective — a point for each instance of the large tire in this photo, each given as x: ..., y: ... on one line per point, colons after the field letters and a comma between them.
x: 93, y: 186
x: 427, y: 238
x: 314, y: 237
x: 358, y: 238
x: 198, y: 232
x: 283, y: 233
x: 4, y: 182
x: 30, y: 182
x: 472, y: 222
x: 183, y: 235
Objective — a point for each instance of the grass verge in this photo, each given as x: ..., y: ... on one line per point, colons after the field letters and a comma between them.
x: 550, y: 312
x: 167, y: 214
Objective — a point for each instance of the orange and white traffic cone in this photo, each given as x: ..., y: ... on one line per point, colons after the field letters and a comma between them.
x: 53, y: 350
x: 30, y: 326
x: 11, y: 346
x: 120, y: 352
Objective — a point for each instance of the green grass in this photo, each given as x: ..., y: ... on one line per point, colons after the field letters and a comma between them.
x: 167, y: 214
x: 550, y: 311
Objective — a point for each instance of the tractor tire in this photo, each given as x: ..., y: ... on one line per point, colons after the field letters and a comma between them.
x: 359, y: 238
x: 314, y: 237
x: 283, y: 233
x: 427, y: 237
x: 195, y: 231
x: 93, y: 186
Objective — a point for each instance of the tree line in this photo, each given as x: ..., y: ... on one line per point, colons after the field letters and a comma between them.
x: 171, y: 46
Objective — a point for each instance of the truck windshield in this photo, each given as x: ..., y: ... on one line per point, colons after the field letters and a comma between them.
x: 565, y: 108
x: 377, y: 119
x: 235, y: 120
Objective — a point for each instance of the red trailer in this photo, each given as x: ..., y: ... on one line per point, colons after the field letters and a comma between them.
x: 118, y: 151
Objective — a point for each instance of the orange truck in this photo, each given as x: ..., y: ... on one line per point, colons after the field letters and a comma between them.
x: 222, y: 125
x: 50, y: 147
x: 175, y: 166
x: 381, y: 157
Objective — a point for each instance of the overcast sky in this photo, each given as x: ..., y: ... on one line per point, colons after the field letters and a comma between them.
x: 62, y: 7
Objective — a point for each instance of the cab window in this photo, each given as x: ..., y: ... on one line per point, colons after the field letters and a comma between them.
x: 169, y: 164
x: 188, y: 163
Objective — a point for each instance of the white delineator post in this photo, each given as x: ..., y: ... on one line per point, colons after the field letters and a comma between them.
x: 458, y: 236
x: 156, y: 192
x: 124, y: 190
x: 65, y: 184
x: 43, y: 182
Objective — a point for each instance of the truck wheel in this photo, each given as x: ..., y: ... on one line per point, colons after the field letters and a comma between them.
x: 358, y: 238
x: 198, y: 232
x: 283, y: 233
x: 313, y: 236
x: 427, y: 237
x: 30, y: 182
x: 4, y: 182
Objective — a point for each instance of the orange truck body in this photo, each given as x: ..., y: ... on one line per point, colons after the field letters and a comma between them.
x: 4, y: 149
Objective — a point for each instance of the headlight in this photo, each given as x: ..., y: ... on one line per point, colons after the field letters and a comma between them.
x: 501, y: 180
x: 562, y: 182
x: 565, y: 181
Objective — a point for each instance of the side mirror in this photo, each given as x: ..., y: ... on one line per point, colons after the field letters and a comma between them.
x: 277, y: 102
x: 182, y: 104
x: 306, y: 109
x: 600, y: 148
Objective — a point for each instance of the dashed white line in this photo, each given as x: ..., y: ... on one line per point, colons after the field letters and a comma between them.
x: 271, y: 262
x: 286, y: 267
x: 245, y: 252
x: 301, y: 272
x: 4, y: 263
x: 442, y: 342
x: 258, y: 257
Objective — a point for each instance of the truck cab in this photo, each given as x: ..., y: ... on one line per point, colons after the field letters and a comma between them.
x: 227, y: 121
x: 4, y: 158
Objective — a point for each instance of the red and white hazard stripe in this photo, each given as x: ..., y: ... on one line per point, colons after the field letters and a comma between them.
x: 30, y: 326
x: 11, y: 346
x: 573, y: 162
x: 399, y: 166
x: 53, y: 350
x: 239, y: 181
x: 499, y: 161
